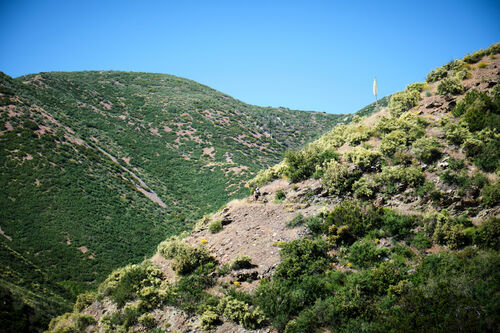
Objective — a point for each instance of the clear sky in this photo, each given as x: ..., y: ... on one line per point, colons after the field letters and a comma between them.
x: 308, y: 55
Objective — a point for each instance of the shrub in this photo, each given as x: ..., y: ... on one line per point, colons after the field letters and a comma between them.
x: 364, y: 188
x: 421, y: 240
x: 393, y: 142
x: 474, y: 57
x: 84, y: 300
x: 403, y: 101
x: 302, y: 164
x: 364, y: 158
x: 124, y: 284
x: 477, y: 110
x: 338, y: 178
x: 240, y: 313
x: 186, y: 258
x: 147, y: 320
x: 396, y: 224
x: 456, y: 133
x: 209, y: 320
x: 71, y: 323
x: 267, y: 175
x: 390, y: 176
x: 241, y: 262
x: 426, y: 149
x: 450, y: 86
x: 296, y: 221
x: 280, y: 195
x: 215, y: 226
x: 436, y: 75
x: 364, y: 253
x: 491, y: 194
x: 472, y: 147
x: 355, y: 134
x: 488, y: 234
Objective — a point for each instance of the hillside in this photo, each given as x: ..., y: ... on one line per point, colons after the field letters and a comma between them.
x: 388, y: 224
x: 98, y: 167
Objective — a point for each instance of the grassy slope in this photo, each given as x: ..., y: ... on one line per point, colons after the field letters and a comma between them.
x: 60, y: 193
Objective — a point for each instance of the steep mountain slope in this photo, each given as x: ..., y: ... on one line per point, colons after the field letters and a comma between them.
x: 98, y: 167
x: 390, y: 223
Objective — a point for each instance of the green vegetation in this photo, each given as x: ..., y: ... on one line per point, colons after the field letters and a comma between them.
x: 405, y: 100
x: 383, y: 288
x: 241, y: 262
x: 215, y: 227
x: 80, y: 151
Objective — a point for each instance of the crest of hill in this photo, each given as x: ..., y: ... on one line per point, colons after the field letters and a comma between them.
x: 389, y: 223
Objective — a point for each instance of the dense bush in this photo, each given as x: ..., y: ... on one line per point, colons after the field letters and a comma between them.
x: 241, y: 262
x: 296, y: 221
x: 450, y: 86
x: 215, y: 226
x: 241, y: 313
x: 364, y: 253
x: 426, y: 149
x: 491, y: 194
x: 363, y: 158
x: 302, y: 164
x: 394, y: 141
x: 395, y: 178
x: 84, y: 300
x: 186, y: 258
x: 125, y: 283
x: 338, y: 177
x: 488, y: 234
x: 364, y: 188
x: 436, y: 75
x: 403, y: 101
x: 478, y: 110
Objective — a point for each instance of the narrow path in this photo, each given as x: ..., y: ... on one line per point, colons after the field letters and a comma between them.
x: 143, y: 188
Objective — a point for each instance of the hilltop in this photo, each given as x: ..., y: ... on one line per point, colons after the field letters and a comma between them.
x: 389, y: 223
x: 98, y: 167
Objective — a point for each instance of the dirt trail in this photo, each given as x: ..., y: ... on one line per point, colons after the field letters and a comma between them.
x: 143, y: 188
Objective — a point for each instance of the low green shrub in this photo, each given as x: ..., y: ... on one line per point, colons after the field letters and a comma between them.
x: 280, y: 196
x: 363, y: 158
x: 338, y: 178
x: 241, y: 262
x: 397, y: 225
x: 488, y: 234
x: 265, y: 176
x: 491, y: 194
x: 364, y: 188
x: 186, y: 258
x: 302, y: 164
x: 215, y: 226
x: 393, y: 176
x: 296, y: 221
x: 426, y: 149
x: 473, y: 147
x: 436, y: 75
x: 209, y: 319
x: 478, y: 110
x: 125, y: 283
x: 241, y: 313
x: 403, y: 101
x: 394, y: 141
x: 450, y: 86
x: 84, y: 300
x: 147, y: 320
x: 421, y: 240
x: 364, y: 253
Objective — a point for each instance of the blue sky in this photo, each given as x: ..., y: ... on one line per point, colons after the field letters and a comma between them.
x: 308, y: 55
